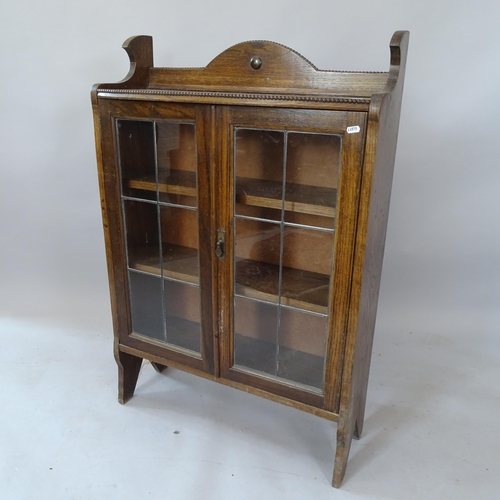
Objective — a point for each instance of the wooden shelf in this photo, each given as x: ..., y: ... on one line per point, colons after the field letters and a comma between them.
x: 258, y: 280
x: 180, y: 263
x: 301, y: 289
x: 299, y: 197
x: 179, y: 182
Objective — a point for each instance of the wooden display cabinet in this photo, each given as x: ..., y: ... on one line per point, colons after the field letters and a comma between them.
x: 245, y: 209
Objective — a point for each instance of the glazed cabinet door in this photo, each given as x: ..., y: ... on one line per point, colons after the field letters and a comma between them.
x: 157, y: 194
x: 292, y: 178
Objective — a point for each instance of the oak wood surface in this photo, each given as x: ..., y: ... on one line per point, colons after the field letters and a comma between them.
x: 378, y: 170
x: 147, y: 354
x: 177, y: 182
x: 205, y: 136
x: 348, y: 202
x: 285, y: 94
x: 283, y: 70
x: 108, y: 112
x: 286, y: 79
x: 317, y: 122
x: 301, y: 289
x: 237, y: 99
x: 299, y: 198
x: 178, y: 262
x: 128, y: 372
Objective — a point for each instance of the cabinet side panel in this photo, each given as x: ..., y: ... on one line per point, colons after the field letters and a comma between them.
x: 378, y: 169
x: 376, y: 219
x: 349, y: 192
x: 102, y: 194
x: 380, y: 153
x: 111, y: 220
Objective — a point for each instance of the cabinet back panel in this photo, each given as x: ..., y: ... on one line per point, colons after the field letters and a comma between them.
x: 182, y: 300
x: 259, y: 321
x: 313, y: 159
x: 176, y: 146
x: 179, y: 226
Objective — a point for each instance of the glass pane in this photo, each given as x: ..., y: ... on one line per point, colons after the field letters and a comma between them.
x: 146, y: 305
x: 179, y: 241
x: 312, y: 172
x: 302, y: 344
x: 256, y: 326
x: 180, y: 262
x: 283, y: 266
x: 158, y: 166
x: 182, y: 309
x: 259, y: 170
x: 310, y: 220
x: 307, y: 264
x: 176, y: 156
x: 255, y: 212
x: 141, y: 226
x: 257, y: 258
x: 299, y: 287
x: 137, y: 158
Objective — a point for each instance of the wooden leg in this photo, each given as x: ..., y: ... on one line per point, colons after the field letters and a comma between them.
x: 361, y: 401
x: 345, y: 432
x: 128, y: 373
x: 358, y: 429
x: 159, y: 368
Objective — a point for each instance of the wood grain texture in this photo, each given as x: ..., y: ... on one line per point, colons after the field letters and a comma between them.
x: 283, y: 70
x: 285, y: 79
x: 303, y: 121
x: 348, y: 202
x: 288, y: 101
x: 299, y: 198
x: 101, y: 167
x: 178, y: 262
x: 177, y: 182
x: 275, y: 386
x: 225, y: 219
x: 146, y: 354
x: 286, y: 94
x: 214, y: 224
x: 301, y: 289
x: 128, y: 372
x: 113, y: 231
x: 378, y: 170
x: 107, y: 113
x: 204, y: 140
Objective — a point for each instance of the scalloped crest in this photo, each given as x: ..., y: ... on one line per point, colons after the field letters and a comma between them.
x: 281, y: 69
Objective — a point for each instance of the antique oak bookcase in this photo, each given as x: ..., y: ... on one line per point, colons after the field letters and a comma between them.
x: 245, y: 210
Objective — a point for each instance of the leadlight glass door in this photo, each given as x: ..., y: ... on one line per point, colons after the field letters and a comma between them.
x: 285, y: 176
x: 160, y: 167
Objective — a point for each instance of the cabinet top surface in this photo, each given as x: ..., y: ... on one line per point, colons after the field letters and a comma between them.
x: 253, y: 70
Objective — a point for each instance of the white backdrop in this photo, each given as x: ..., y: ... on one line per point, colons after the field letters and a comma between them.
x: 443, y: 246
x: 441, y: 272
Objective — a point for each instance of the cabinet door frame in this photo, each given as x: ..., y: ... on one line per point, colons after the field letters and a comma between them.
x: 111, y: 110
x: 299, y: 120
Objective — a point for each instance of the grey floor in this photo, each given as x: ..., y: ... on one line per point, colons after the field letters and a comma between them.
x: 431, y: 427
